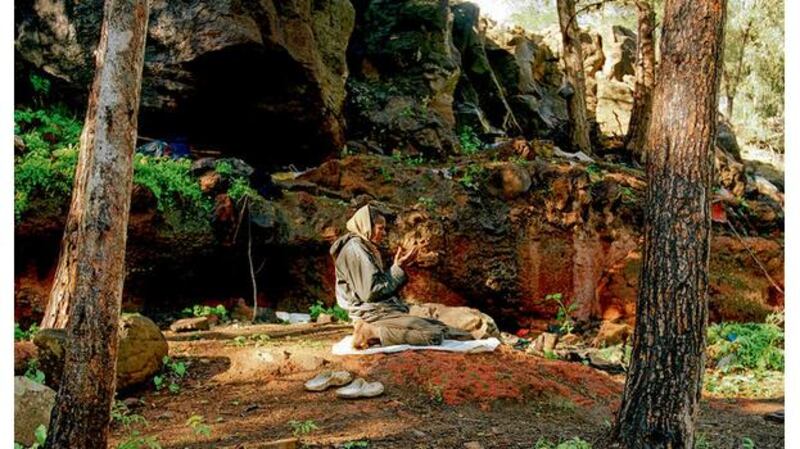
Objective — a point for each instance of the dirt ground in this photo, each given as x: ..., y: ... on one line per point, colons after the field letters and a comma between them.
x: 248, y: 389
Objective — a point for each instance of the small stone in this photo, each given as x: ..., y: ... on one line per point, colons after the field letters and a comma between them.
x: 611, y: 334
x: 419, y: 433
x: 545, y: 342
x: 324, y: 318
x: 210, y: 181
x: 191, y: 324
x: 300, y: 361
x: 166, y: 415
x: 473, y: 445
x: 288, y: 443
x: 132, y: 402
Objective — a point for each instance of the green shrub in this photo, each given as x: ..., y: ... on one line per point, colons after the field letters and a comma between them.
x: 33, y: 372
x: 47, y: 168
x: 240, y: 188
x: 303, y: 427
x: 472, y: 177
x: 563, y: 315
x: 172, y: 374
x: 20, y: 335
x: 757, y: 346
x: 470, y: 143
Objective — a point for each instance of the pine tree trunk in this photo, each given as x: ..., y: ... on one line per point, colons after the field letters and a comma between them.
x: 91, y: 268
x: 664, y: 382
x: 573, y: 69
x: 645, y: 79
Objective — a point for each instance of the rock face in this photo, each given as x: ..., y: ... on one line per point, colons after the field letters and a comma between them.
x: 405, y: 69
x: 224, y: 74
x: 32, y: 406
x: 141, y: 350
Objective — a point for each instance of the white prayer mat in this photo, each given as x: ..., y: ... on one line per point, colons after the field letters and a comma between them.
x: 345, y: 347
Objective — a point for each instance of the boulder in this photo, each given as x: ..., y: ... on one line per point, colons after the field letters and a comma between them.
x: 218, y: 72
x: 726, y: 140
x: 199, y: 323
x: 33, y: 403
x: 141, y: 350
x: 730, y: 173
x: 324, y: 318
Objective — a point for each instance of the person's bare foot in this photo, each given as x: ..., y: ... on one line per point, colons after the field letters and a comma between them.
x: 364, y: 335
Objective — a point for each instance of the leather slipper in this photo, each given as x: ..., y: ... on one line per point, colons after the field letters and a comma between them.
x: 327, y: 379
x: 360, y: 388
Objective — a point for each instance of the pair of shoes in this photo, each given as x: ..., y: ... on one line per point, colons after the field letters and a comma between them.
x: 358, y: 388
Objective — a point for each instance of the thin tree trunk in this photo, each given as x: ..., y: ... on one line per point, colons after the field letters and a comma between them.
x: 732, y: 82
x: 573, y: 69
x: 91, y: 269
x: 662, y: 390
x: 645, y: 79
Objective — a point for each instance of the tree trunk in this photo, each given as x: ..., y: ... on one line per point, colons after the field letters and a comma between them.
x: 91, y: 268
x: 645, y: 79
x: 573, y: 69
x: 732, y: 81
x: 663, y: 387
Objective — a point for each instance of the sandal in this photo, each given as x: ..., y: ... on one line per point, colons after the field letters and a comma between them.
x: 326, y: 379
x: 360, y: 388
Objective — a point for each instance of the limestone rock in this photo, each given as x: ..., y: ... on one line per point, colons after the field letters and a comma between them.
x: 33, y: 403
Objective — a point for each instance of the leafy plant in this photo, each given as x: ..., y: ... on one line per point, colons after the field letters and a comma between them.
x: 224, y: 168
x: 121, y: 415
x: 198, y: 425
x: 239, y: 341
x: 33, y: 372
x: 303, y: 427
x: 172, y: 374
x: 22, y: 335
x: 240, y: 188
x: 565, y: 322
x: 427, y: 202
x: 757, y: 346
x: 199, y: 310
x: 172, y: 185
x: 747, y: 443
x: 355, y: 444
x: 700, y: 442
x: 473, y: 175
x: 337, y: 312
x: 386, y: 174
x: 470, y: 143
x: 595, y: 172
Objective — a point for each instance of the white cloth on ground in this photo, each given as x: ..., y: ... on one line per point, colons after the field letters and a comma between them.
x: 345, y: 347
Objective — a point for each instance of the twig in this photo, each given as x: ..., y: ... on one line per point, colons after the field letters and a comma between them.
x: 766, y: 273
x: 250, y: 259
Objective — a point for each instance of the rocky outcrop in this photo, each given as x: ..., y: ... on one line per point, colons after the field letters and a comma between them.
x: 141, y: 350
x: 405, y: 69
x: 223, y: 74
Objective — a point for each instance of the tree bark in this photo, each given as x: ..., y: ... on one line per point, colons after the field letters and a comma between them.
x: 573, y: 70
x: 645, y: 79
x: 91, y: 268
x: 664, y: 382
